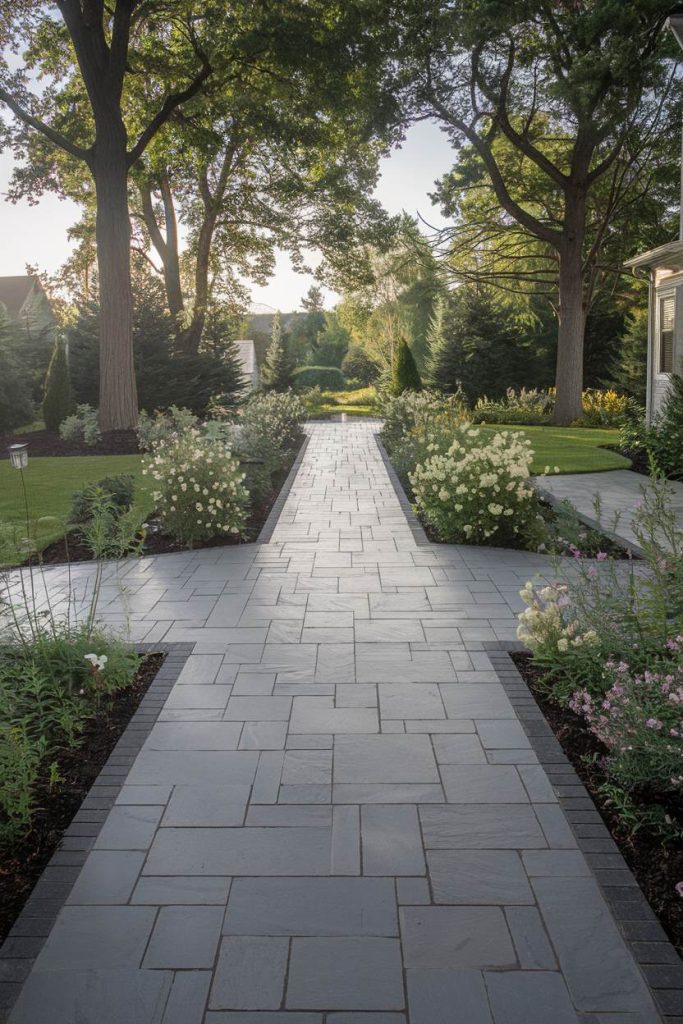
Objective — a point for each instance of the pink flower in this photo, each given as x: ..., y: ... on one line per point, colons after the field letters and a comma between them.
x: 653, y: 723
x: 679, y: 889
x: 601, y: 556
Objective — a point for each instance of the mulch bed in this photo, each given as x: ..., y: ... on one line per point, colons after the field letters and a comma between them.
x: 43, y: 443
x: 22, y: 863
x: 639, y: 458
x: 657, y: 869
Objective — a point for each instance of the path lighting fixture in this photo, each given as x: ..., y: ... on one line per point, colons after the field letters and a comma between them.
x: 18, y: 455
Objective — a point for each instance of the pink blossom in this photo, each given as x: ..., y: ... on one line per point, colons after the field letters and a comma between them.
x: 653, y: 723
x: 601, y: 556
x: 679, y: 889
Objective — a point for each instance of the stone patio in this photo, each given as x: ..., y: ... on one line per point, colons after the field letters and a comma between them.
x: 337, y: 816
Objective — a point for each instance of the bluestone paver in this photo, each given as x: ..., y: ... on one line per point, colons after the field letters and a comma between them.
x: 338, y: 804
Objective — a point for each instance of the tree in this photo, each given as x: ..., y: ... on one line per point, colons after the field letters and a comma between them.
x: 591, y: 77
x: 276, y: 373
x: 333, y: 342
x: 16, y: 406
x: 357, y: 365
x: 282, y: 156
x: 629, y: 372
x: 405, y: 375
x: 90, y: 58
x: 58, y: 401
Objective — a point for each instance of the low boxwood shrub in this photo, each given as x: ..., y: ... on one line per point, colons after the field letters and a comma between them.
x: 329, y: 378
x: 119, y: 489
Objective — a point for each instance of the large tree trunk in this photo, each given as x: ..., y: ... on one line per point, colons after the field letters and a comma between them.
x: 118, y: 391
x: 572, y: 322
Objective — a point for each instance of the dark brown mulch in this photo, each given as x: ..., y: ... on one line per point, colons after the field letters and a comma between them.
x: 639, y: 459
x: 73, y: 549
x: 657, y: 869
x: 22, y: 864
x: 44, y: 443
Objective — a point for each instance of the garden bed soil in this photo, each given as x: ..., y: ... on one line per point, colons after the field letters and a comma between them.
x: 44, y: 443
x: 73, y: 549
x: 657, y: 869
x: 640, y: 462
x: 21, y: 864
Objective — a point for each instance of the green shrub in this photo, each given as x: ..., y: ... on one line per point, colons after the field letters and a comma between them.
x: 162, y: 425
x: 278, y: 418
x: 58, y: 400
x: 16, y: 404
x: 665, y: 440
x: 81, y: 426
x: 402, y: 413
x: 276, y: 372
x: 199, y: 493
x: 357, y: 365
x: 528, y: 406
x: 120, y: 490
x: 405, y: 375
x: 328, y: 378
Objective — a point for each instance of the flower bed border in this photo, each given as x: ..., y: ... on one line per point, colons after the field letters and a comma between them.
x: 33, y: 925
x: 266, y: 531
x: 416, y: 527
x: 640, y: 927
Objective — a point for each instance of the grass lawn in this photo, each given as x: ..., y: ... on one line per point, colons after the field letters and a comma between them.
x: 573, y: 449
x: 50, y: 483
x: 354, y: 403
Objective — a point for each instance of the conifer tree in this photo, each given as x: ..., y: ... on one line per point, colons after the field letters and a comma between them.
x: 58, y: 400
x: 276, y: 374
x: 444, y: 358
x: 630, y: 371
x: 405, y: 375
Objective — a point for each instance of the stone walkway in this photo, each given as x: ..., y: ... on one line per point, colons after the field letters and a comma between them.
x: 619, y: 492
x: 337, y: 817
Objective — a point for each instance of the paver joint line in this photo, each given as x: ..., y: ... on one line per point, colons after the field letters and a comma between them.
x: 337, y: 803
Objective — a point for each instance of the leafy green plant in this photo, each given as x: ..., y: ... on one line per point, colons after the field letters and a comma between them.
x: 121, y: 490
x: 330, y: 378
x: 81, y: 426
x: 163, y: 424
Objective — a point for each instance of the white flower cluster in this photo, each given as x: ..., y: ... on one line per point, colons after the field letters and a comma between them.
x: 478, y: 491
x: 199, y: 492
x: 276, y: 417
x: 545, y: 626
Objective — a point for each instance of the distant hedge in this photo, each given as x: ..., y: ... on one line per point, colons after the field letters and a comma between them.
x: 329, y: 378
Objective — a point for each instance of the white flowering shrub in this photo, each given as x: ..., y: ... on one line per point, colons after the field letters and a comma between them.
x: 163, y: 424
x: 403, y: 414
x: 275, y: 417
x: 478, y: 491
x: 198, y: 490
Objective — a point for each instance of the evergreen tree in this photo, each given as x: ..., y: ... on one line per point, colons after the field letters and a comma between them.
x: 58, y: 401
x: 276, y: 374
x: 405, y: 375
x: 443, y: 362
x: 16, y: 407
x: 629, y: 373
x: 333, y: 342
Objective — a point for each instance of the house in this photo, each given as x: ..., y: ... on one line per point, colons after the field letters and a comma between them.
x: 246, y: 354
x: 26, y: 303
x: 664, y: 269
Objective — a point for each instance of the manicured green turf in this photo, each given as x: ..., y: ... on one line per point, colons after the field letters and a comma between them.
x: 572, y: 449
x: 50, y: 483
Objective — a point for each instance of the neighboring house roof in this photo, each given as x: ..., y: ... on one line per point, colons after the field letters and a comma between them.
x: 19, y: 292
x: 246, y: 353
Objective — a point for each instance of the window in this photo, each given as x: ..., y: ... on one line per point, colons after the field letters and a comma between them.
x: 667, y: 308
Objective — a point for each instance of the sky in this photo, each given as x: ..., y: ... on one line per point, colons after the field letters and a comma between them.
x: 38, y: 234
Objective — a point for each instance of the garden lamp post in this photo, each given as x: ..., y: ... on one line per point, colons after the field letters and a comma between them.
x: 675, y: 23
x: 18, y: 455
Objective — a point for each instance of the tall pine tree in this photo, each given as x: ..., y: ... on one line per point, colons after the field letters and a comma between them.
x: 276, y: 374
x: 405, y: 375
x: 629, y: 373
x: 58, y: 401
x: 443, y: 363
